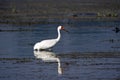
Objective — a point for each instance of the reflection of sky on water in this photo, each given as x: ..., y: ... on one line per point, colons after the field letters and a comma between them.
x: 84, y: 68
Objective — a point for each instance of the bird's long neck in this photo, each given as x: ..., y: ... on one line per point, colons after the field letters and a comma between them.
x: 59, y: 35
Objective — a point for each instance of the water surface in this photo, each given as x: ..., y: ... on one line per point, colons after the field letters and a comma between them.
x: 89, y: 51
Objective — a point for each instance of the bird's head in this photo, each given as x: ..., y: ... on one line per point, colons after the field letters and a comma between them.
x: 62, y: 28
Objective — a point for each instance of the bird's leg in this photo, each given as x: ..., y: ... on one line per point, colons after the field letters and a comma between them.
x: 41, y: 49
x: 50, y: 50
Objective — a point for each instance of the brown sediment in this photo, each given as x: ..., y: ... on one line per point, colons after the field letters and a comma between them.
x: 55, y: 11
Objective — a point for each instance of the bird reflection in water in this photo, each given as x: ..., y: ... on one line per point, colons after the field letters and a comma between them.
x: 48, y: 56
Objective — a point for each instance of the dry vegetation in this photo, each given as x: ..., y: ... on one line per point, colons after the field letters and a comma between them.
x: 36, y: 11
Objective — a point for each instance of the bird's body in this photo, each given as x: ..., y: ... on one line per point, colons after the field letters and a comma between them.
x: 46, y: 44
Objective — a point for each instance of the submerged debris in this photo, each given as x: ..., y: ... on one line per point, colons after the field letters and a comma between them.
x: 116, y: 30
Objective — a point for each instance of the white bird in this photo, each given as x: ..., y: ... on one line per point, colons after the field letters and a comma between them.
x: 46, y: 44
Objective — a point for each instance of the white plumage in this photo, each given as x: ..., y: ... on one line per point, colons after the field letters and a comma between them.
x: 46, y: 44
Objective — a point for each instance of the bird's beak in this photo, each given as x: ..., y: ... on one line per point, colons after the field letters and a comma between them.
x: 66, y: 30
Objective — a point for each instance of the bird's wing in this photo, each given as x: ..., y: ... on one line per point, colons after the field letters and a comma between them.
x: 47, y: 43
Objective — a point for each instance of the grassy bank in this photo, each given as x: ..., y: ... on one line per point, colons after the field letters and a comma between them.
x: 52, y: 11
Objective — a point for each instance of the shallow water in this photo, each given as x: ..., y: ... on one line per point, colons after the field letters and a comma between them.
x: 72, y: 68
x: 89, y: 51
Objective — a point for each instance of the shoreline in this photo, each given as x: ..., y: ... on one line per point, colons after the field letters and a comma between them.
x: 50, y: 11
x: 57, y: 20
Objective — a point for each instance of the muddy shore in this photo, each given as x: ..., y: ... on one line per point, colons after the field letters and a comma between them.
x: 50, y: 11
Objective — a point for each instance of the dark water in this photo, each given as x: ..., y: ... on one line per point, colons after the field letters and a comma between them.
x: 89, y: 51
